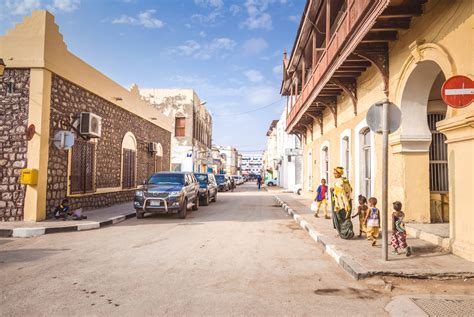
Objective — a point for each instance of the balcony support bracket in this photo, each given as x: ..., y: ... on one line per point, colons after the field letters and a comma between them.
x: 380, y: 60
x: 349, y: 88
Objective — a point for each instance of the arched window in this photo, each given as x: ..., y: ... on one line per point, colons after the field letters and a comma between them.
x: 129, y: 160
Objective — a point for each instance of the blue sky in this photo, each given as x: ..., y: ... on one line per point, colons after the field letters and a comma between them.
x: 230, y: 52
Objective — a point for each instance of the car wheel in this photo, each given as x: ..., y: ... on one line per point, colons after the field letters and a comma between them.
x: 298, y: 192
x: 215, y: 197
x: 196, y: 203
x: 140, y: 214
x: 270, y: 184
x: 206, y: 200
x: 184, y: 210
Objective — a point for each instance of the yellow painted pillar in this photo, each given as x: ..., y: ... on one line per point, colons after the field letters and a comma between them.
x: 459, y: 131
x: 38, y: 148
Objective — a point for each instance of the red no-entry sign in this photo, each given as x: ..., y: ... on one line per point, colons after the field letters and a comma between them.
x: 458, y: 91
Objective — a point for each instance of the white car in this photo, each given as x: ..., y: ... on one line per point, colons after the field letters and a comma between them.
x: 297, y: 189
x: 271, y: 182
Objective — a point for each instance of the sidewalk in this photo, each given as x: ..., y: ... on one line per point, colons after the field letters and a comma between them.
x: 361, y: 260
x: 96, y: 218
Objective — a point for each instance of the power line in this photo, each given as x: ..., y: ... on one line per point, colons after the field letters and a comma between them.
x: 249, y: 111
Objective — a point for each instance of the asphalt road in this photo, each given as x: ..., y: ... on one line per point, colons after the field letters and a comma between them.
x: 239, y: 256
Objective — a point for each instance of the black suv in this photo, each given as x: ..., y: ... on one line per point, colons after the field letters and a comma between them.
x: 207, y: 187
x: 167, y: 192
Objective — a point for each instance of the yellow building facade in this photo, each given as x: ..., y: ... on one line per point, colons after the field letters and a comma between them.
x: 431, y: 154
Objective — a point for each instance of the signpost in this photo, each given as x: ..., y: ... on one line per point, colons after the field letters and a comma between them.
x: 458, y: 91
x: 64, y: 140
x: 384, y: 118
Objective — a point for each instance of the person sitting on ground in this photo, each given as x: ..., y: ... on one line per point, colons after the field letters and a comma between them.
x: 361, y: 212
x: 399, y: 235
x: 63, y: 210
x: 372, y: 221
x: 321, y: 199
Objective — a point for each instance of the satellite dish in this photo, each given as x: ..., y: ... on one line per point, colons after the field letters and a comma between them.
x: 64, y: 140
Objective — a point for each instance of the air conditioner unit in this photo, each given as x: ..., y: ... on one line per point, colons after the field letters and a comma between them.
x: 90, y: 125
x: 152, y: 147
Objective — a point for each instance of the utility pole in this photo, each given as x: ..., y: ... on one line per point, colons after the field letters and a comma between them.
x: 385, y: 132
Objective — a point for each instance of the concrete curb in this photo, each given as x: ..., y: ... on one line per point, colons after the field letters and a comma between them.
x: 444, y: 243
x: 347, y: 263
x: 39, y: 231
x: 350, y: 265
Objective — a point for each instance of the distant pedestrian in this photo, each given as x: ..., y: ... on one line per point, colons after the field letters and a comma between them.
x: 259, y: 181
x: 63, y: 211
x: 372, y: 221
x: 399, y: 235
x: 321, y: 199
x: 362, y: 212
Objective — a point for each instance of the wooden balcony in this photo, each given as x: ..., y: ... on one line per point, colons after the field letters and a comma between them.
x: 358, y: 39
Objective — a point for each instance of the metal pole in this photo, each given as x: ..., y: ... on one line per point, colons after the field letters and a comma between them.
x: 385, y: 180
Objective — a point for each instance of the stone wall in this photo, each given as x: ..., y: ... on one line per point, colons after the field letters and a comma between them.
x: 68, y: 101
x: 13, y: 143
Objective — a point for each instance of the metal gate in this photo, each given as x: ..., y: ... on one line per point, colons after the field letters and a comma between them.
x: 438, y: 156
x: 129, y: 167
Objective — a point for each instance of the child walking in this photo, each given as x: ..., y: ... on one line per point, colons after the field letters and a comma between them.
x: 321, y: 199
x: 362, y: 212
x: 399, y: 235
x: 372, y: 221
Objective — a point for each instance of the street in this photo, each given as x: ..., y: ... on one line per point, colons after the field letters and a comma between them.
x: 239, y: 256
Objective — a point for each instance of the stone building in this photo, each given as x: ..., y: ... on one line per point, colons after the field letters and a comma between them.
x: 230, y: 157
x: 350, y: 54
x: 192, y: 136
x: 119, y: 139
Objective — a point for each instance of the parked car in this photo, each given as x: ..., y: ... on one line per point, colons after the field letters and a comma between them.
x: 207, y: 187
x: 231, y: 181
x: 167, y: 192
x: 239, y: 180
x: 271, y: 181
x: 297, y: 189
x: 222, y: 183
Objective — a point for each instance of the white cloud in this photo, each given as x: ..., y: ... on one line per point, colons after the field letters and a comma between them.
x: 235, y: 9
x: 66, y: 5
x: 278, y: 71
x: 206, y: 19
x: 258, y: 18
x: 217, y: 47
x: 217, y: 4
x: 202, y: 34
x: 144, y: 18
x: 22, y: 7
x: 253, y: 75
x: 294, y: 18
x: 254, y: 46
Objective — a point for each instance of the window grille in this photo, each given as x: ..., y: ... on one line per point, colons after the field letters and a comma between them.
x: 438, y: 156
x: 326, y: 164
x: 128, y: 168
x: 82, y: 167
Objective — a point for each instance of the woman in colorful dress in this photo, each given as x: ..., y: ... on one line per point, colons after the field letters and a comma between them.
x: 342, y: 205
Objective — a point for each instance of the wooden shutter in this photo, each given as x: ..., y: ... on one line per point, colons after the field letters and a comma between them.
x: 179, y: 129
x: 82, y: 167
x: 128, y: 168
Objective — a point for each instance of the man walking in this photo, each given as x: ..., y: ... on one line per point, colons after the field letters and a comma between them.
x: 259, y: 181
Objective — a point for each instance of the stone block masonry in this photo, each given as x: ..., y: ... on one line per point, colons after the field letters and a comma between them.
x: 68, y: 100
x: 14, y: 98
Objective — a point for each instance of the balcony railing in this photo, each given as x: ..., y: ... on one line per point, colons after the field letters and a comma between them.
x: 354, y: 12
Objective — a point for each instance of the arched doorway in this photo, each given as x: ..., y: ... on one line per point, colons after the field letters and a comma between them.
x: 425, y: 166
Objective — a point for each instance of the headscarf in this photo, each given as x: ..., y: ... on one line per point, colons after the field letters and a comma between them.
x: 339, y: 170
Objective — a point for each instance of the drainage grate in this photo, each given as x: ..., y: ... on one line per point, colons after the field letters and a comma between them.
x: 446, y: 307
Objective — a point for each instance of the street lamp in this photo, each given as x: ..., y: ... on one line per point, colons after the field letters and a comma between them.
x: 2, y: 67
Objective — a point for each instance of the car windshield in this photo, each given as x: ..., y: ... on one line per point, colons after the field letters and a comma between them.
x: 220, y: 179
x: 167, y: 179
x: 202, y: 178
x: 235, y: 177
